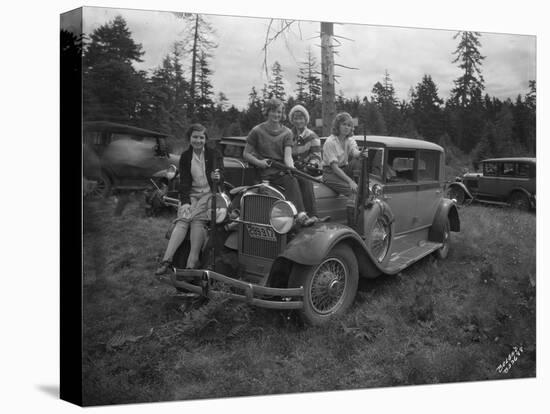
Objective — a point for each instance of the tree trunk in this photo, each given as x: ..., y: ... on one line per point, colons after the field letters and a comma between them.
x: 328, y: 95
x: 194, y: 67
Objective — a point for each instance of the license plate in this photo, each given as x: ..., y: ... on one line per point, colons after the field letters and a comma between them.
x: 259, y: 232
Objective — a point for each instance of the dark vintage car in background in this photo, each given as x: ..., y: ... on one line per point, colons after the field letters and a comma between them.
x: 505, y: 181
x: 401, y: 216
x: 123, y: 157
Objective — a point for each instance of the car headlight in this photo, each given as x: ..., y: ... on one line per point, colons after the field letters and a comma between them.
x: 222, y: 207
x: 282, y: 216
x: 171, y: 171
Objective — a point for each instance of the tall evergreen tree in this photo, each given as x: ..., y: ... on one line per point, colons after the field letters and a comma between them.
x: 111, y: 85
x: 471, y: 83
x: 165, y: 102
x: 204, y: 89
x: 199, y: 41
x: 426, y: 109
x: 253, y: 113
x: 275, y: 87
x: 384, y: 97
x: 309, y: 83
x: 466, y: 104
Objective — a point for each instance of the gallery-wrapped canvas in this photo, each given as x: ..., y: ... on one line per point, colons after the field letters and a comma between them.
x: 275, y: 206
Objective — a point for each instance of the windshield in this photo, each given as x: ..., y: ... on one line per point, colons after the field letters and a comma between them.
x: 376, y: 158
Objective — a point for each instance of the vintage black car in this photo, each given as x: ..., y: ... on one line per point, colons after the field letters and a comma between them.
x: 401, y: 217
x: 123, y: 157
x: 505, y: 181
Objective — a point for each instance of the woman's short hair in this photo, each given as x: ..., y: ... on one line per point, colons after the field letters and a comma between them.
x: 272, y: 104
x: 196, y: 127
x: 339, y: 119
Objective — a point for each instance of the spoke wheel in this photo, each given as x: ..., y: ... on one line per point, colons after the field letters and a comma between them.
x: 456, y: 193
x: 103, y: 187
x: 379, y: 238
x: 329, y: 287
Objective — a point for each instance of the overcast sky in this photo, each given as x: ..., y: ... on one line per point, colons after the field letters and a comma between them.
x: 407, y: 53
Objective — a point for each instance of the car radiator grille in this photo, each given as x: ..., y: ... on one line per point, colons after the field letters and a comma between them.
x: 255, y: 209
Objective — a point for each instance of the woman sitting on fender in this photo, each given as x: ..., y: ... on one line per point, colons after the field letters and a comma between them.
x: 198, y: 167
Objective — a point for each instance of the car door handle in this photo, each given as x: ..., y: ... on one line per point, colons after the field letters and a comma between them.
x: 438, y: 192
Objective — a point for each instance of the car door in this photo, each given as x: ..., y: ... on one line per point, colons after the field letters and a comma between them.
x: 488, y: 182
x: 400, y: 188
x: 429, y: 191
x: 507, y: 180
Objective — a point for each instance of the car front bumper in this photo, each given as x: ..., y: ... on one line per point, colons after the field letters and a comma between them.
x: 210, y: 284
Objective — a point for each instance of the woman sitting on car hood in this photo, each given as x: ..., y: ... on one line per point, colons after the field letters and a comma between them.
x: 198, y: 167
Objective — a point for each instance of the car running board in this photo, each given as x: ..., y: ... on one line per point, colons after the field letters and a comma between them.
x: 399, y: 261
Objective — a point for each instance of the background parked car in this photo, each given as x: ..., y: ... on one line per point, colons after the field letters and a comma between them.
x: 508, y: 181
x: 123, y: 157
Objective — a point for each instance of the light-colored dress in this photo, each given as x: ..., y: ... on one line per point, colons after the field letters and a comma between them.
x: 200, y: 191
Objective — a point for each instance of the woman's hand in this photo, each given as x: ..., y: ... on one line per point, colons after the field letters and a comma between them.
x: 263, y: 164
x: 353, y: 185
x: 184, y: 210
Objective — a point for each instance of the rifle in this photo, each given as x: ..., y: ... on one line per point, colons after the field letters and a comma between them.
x: 294, y: 171
x: 212, y: 258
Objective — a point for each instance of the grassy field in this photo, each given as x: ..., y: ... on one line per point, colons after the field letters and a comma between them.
x: 436, y: 322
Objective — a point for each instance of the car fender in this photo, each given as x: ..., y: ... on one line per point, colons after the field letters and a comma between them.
x: 313, y: 244
x: 523, y: 190
x: 467, y: 193
x: 447, y: 210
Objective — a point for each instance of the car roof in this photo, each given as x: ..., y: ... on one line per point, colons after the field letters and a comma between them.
x: 398, y: 142
x: 233, y: 140
x: 120, y: 129
x: 511, y: 159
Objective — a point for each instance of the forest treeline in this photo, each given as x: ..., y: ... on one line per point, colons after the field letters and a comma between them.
x: 178, y: 92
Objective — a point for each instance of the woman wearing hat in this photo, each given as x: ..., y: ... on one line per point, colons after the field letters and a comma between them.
x: 271, y: 140
x: 306, y: 149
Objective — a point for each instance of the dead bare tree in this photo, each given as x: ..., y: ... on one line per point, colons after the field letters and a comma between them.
x: 328, y: 95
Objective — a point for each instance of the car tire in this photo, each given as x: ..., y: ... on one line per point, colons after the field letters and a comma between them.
x: 103, y: 187
x: 519, y: 201
x: 456, y: 193
x: 443, y: 251
x: 329, y: 287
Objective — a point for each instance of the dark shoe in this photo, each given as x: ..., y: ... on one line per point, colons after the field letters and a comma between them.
x: 302, y: 219
x: 163, y: 268
x: 310, y: 221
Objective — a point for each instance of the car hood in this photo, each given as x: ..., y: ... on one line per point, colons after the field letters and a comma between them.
x: 472, y: 175
x: 129, y: 157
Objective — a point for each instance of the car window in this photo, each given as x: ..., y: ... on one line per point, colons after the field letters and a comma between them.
x: 376, y: 161
x: 428, y: 166
x: 490, y: 169
x: 235, y: 151
x: 507, y: 169
x: 523, y: 170
x: 401, y: 165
